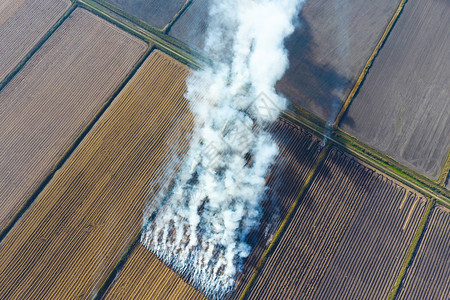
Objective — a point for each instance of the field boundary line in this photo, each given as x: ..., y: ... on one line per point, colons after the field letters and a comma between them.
x: 412, y: 249
x: 369, y: 63
x: 127, y: 16
x: 175, y: 18
x: 59, y: 164
x: 282, y: 228
x: 444, y: 171
x: 36, y: 47
x: 167, y: 44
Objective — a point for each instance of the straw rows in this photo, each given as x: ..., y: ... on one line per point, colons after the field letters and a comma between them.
x: 347, y: 239
x: 47, y: 105
x: 22, y: 24
x: 69, y: 241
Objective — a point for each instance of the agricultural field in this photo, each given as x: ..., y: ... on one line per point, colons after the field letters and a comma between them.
x: 22, y: 24
x: 403, y: 107
x: 428, y: 277
x: 298, y: 152
x: 190, y: 28
x: 144, y: 275
x: 49, y: 103
x: 157, y: 13
x: 72, y: 236
x: 348, y: 237
x: 327, y: 51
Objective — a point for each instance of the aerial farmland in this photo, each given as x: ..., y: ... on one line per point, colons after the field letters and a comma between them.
x: 103, y: 107
x: 428, y: 275
x: 42, y: 109
x: 409, y: 117
x: 22, y: 24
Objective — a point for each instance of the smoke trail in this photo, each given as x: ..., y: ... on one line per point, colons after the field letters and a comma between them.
x: 208, y: 210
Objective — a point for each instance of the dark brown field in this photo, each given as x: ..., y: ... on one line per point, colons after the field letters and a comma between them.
x: 190, y: 28
x: 22, y: 24
x: 327, y: 51
x: 429, y: 275
x: 70, y: 239
x: 157, y: 13
x: 50, y: 101
x: 347, y: 239
x: 403, y: 107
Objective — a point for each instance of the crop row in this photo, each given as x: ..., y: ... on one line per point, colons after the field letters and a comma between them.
x: 69, y: 241
x: 298, y: 153
x: 46, y: 106
x: 347, y: 239
x: 22, y: 24
x: 428, y: 277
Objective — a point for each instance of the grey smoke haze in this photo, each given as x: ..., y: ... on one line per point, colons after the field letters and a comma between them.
x: 204, y: 217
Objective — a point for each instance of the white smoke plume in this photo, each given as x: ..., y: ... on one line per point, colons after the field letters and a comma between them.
x: 207, y: 211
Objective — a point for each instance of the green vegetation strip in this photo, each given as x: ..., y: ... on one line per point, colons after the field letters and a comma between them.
x: 312, y: 174
x: 36, y: 47
x: 374, y: 158
x: 412, y: 250
x: 126, y: 15
x: 445, y: 171
x: 366, y: 68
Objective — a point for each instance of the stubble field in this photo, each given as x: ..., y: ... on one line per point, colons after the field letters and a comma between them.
x: 329, y: 48
x: 347, y: 239
x: 69, y: 241
x: 403, y: 107
x: 46, y: 106
x: 157, y: 13
x: 428, y: 277
x: 22, y: 24
x: 298, y: 152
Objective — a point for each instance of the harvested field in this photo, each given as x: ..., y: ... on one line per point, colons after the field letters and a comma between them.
x: 190, y: 28
x: 46, y: 106
x: 145, y: 276
x: 70, y: 239
x: 157, y: 13
x: 429, y: 275
x: 403, y: 107
x: 22, y: 24
x: 347, y: 239
x: 326, y: 52
x: 298, y: 153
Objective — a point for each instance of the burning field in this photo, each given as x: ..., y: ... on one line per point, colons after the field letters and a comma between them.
x: 192, y: 177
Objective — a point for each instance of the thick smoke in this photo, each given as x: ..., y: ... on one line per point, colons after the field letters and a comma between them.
x: 207, y: 211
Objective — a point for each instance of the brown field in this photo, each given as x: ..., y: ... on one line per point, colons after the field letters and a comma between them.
x: 298, y: 153
x: 326, y: 52
x: 145, y: 276
x: 428, y: 277
x: 347, y: 239
x: 70, y: 239
x: 22, y: 24
x: 52, y: 99
x: 403, y: 107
